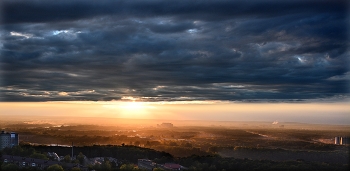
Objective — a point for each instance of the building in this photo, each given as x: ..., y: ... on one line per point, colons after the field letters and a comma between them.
x: 166, y: 125
x: 8, y: 139
x: 5, y: 140
x: 171, y: 166
x: 14, y: 139
x: 146, y: 164
x: 100, y: 160
x: 53, y: 156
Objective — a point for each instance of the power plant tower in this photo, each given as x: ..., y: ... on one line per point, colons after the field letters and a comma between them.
x: 337, y: 140
x: 344, y: 140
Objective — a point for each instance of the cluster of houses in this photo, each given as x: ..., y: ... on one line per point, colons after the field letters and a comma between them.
x: 11, y: 139
x: 150, y: 165
x: 38, y: 163
x: 42, y: 164
x: 100, y: 160
x: 165, y: 125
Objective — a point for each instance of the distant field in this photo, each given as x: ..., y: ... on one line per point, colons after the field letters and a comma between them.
x: 254, y: 140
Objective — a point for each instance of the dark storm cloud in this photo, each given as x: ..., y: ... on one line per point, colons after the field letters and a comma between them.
x: 174, y: 50
x: 52, y: 11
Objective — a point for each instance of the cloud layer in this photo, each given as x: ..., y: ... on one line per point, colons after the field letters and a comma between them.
x: 174, y: 50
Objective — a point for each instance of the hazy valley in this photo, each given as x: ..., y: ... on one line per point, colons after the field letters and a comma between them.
x: 253, y: 140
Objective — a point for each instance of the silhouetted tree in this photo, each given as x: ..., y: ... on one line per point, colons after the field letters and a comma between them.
x: 106, y: 165
x: 9, y: 167
x: 81, y: 158
x: 55, y: 167
x: 67, y: 159
x: 39, y: 156
x: 75, y: 169
x: 127, y: 167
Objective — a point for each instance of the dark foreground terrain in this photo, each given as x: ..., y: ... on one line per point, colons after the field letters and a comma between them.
x: 128, y: 155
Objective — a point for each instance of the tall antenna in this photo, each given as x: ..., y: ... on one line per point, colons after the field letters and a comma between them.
x: 72, y: 150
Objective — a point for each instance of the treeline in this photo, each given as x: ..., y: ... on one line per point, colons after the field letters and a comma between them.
x: 180, y: 151
x: 27, y: 151
x: 203, y: 163
x: 128, y: 153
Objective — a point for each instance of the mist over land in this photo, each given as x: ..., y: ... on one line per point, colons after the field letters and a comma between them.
x: 263, y: 143
x: 253, y: 140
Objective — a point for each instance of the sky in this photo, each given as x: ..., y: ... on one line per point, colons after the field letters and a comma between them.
x: 169, y: 51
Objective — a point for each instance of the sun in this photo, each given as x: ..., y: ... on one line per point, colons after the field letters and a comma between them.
x: 133, y: 106
x: 133, y: 110
x: 129, y: 109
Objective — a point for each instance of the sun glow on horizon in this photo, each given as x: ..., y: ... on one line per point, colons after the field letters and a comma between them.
x: 133, y: 110
x: 132, y: 106
x: 333, y: 113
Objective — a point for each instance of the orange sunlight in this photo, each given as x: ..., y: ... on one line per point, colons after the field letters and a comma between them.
x: 333, y: 113
x: 134, y: 110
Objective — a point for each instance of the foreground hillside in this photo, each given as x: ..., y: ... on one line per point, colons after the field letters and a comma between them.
x: 127, y: 157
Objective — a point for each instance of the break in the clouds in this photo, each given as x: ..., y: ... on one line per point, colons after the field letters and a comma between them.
x: 174, y: 50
